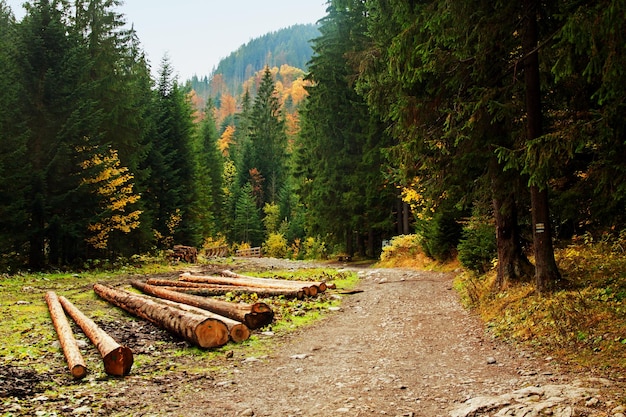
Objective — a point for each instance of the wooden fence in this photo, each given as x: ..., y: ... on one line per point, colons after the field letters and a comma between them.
x: 249, y: 253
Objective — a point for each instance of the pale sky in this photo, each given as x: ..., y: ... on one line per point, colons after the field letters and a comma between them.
x: 196, y: 34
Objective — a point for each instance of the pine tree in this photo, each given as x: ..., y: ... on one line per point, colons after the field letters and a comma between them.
x: 172, y: 187
x: 14, y: 166
x: 247, y: 227
x: 268, y: 139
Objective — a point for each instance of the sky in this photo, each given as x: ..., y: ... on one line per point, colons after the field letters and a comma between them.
x: 196, y: 34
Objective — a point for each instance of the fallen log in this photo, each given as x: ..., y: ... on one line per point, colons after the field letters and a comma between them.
x: 253, y: 316
x: 252, y: 282
x: 206, y: 289
x: 74, y: 358
x: 320, y: 286
x: 197, y: 329
x: 117, y: 359
x: 237, y: 331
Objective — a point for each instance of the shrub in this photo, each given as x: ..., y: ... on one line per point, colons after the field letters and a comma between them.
x: 477, y: 248
x: 441, y: 234
x: 315, y: 248
x: 275, y: 246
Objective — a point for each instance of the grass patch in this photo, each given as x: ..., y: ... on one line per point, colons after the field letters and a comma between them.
x: 29, y: 339
x: 583, y: 326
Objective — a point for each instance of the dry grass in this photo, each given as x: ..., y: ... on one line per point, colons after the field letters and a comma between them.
x: 583, y: 326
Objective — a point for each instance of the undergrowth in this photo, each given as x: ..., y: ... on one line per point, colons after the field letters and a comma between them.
x: 583, y: 325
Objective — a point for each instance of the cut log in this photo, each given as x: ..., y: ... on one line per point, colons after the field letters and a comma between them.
x: 253, y: 316
x: 309, y: 288
x: 74, y: 358
x: 117, y: 359
x: 206, y: 289
x: 237, y: 331
x: 197, y: 329
x: 319, y: 285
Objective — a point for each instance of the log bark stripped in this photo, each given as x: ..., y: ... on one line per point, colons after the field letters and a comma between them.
x: 253, y: 316
x: 74, y: 358
x: 237, y: 331
x: 309, y: 288
x: 197, y: 329
x: 117, y: 359
x: 319, y: 286
x: 206, y: 289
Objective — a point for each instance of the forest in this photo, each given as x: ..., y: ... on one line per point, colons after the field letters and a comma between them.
x: 489, y: 129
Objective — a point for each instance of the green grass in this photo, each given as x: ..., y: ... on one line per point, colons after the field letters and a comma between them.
x: 28, y: 336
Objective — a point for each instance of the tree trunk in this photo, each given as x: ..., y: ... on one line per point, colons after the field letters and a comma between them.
x: 117, y: 359
x: 546, y: 271
x: 512, y: 263
x: 253, y: 316
x: 75, y: 360
x: 197, y: 329
x: 206, y: 289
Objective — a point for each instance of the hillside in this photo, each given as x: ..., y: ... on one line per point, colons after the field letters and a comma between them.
x: 290, y: 46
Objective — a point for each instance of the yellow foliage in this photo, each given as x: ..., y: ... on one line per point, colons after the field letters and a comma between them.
x: 115, y: 189
x: 226, y: 140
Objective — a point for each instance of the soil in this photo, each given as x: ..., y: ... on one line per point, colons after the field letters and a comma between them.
x: 402, y: 346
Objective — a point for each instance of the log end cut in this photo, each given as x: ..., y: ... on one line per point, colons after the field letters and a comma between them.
x: 211, y: 333
x: 258, y: 320
x: 239, y: 333
x: 78, y: 371
x: 118, y: 361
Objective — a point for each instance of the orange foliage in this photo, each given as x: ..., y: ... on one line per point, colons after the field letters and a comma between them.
x: 226, y: 140
x: 228, y: 107
x: 197, y: 103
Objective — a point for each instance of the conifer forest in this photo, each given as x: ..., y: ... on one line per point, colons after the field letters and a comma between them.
x: 491, y: 129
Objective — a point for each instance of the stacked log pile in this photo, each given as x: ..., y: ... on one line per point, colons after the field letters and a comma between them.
x: 182, y: 308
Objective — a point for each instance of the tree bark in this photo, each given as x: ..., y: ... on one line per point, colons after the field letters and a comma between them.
x: 197, y: 329
x: 237, y: 331
x: 320, y: 286
x: 546, y: 270
x: 206, y: 289
x: 74, y: 358
x: 117, y: 359
x: 253, y: 316
x: 309, y: 288
x: 513, y: 265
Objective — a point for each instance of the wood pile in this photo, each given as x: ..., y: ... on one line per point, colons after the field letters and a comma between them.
x: 182, y: 308
x: 183, y: 253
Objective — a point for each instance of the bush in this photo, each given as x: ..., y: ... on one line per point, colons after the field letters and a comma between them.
x: 315, y: 248
x: 275, y: 246
x: 441, y: 234
x: 477, y: 248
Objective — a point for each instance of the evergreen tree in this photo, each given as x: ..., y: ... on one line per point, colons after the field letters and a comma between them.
x: 14, y: 167
x: 247, y: 226
x: 210, y: 175
x: 338, y: 153
x: 268, y: 152
x: 172, y: 187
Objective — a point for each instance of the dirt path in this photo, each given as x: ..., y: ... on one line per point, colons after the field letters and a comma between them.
x: 402, y: 347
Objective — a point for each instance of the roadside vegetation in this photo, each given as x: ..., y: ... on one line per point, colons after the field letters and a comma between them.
x: 581, y: 325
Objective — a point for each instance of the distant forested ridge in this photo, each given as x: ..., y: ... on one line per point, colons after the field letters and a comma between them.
x: 289, y: 46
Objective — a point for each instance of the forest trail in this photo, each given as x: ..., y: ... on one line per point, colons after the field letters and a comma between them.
x: 404, y: 346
